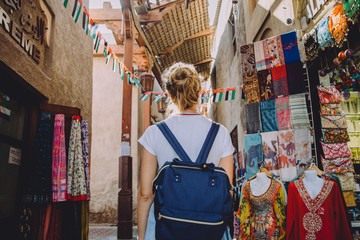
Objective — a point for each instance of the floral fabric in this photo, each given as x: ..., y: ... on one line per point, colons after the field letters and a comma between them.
x: 262, y: 55
x: 312, y: 47
x: 349, y: 198
x: 254, y: 155
x: 286, y: 148
x: 253, y: 118
x: 333, y: 121
x: 85, y: 152
x: 331, y: 109
x: 335, y: 150
x: 335, y: 135
x: 268, y: 116
x: 247, y: 58
x: 59, y: 160
x: 276, y: 53
x: 337, y: 25
x: 338, y: 165
x: 251, y: 88
x: 76, y: 186
x: 330, y: 95
x: 323, y: 34
x: 347, y: 181
x: 280, y: 84
x: 283, y: 113
x: 290, y: 47
x: 265, y: 84
x: 270, y: 152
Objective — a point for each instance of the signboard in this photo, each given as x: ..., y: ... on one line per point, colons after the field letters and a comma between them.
x: 313, y: 7
x: 15, y: 156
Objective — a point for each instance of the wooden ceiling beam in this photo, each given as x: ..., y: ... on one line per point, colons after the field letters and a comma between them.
x: 149, y: 18
x: 165, y: 4
x: 206, y: 60
x: 108, y: 14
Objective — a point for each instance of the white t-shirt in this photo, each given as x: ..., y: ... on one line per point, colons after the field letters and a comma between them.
x: 190, y: 131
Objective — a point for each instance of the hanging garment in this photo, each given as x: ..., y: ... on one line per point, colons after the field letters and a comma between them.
x: 337, y: 165
x: 247, y: 58
x: 330, y: 95
x: 290, y: 47
x: 321, y: 218
x: 76, y: 185
x: 253, y: 148
x: 251, y: 88
x: 302, y: 139
x: 312, y: 46
x: 322, y: 32
x: 59, y: 160
x: 299, y: 113
x: 270, y: 152
x: 262, y: 55
x: 263, y: 217
x: 276, y: 53
x: 253, y: 119
x: 85, y: 153
x: 351, y: 9
x: 295, y: 78
x: 335, y: 135
x: 265, y: 85
x: 337, y: 25
x: 286, y: 150
x: 268, y: 116
x: 283, y: 113
x: 280, y: 83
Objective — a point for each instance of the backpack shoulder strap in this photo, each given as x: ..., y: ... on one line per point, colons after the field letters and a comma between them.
x: 205, y: 150
x: 173, y: 141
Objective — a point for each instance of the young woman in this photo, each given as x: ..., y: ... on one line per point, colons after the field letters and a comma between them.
x: 183, y: 84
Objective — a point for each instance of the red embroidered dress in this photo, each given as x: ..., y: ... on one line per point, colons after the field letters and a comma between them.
x: 321, y: 218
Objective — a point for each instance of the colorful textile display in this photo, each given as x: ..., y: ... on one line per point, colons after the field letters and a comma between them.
x: 299, y: 113
x: 76, y: 184
x: 247, y: 58
x: 283, y: 113
x: 270, y: 152
x: 262, y: 55
x: 351, y: 9
x: 312, y: 46
x: 333, y: 121
x: 302, y: 139
x: 268, y: 116
x: 280, y: 83
x: 251, y: 88
x: 263, y: 217
x: 323, y: 35
x: 276, y: 53
x: 338, y: 165
x: 295, y: 78
x: 253, y: 118
x: 335, y: 150
x: 265, y: 84
x: 331, y: 109
x: 290, y: 47
x: 286, y: 152
x: 337, y: 25
x: 59, y: 160
x: 330, y: 95
x: 85, y: 153
x: 321, y: 218
x: 335, y: 135
x: 347, y: 181
x: 254, y: 155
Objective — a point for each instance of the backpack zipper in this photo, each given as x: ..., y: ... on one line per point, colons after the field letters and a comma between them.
x: 190, y: 221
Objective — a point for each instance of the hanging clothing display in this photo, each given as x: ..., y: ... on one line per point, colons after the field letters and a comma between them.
x: 280, y: 83
x: 323, y: 35
x: 337, y: 25
x: 290, y: 47
x: 270, y: 152
x: 299, y: 113
x: 254, y: 155
x: 247, y: 58
x: 76, y: 182
x: 265, y: 84
x: 262, y: 55
x: 85, y: 153
x: 276, y: 53
x: 283, y: 113
x: 251, y: 88
x: 253, y: 118
x: 286, y: 155
x: 295, y: 78
x: 323, y: 217
x: 263, y: 217
x: 59, y: 160
x: 268, y: 116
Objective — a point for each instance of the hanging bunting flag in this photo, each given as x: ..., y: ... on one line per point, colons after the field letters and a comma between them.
x: 93, y: 29
x: 108, y: 56
x: 217, y: 96
x: 122, y: 72
x: 128, y: 75
x: 145, y: 96
x: 167, y: 99
x: 158, y: 97
x: 77, y: 10
x: 105, y: 47
x: 136, y: 82
x: 205, y: 97
x: 120, y: 64
x: 97, y: 42
x: 114, y: 64
x: 65, y: 3
x: 230, y: 94
x: 85, y: 21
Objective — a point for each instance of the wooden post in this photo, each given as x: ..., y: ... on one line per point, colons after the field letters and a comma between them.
x: 125, y: 161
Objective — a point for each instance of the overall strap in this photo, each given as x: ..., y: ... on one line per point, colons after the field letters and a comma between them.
x: 205, y: 150
x: 173, y: 141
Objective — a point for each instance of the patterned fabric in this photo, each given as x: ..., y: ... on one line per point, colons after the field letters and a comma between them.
x: 335, y: 150
x: 286, y: 148
x: 283, y: 113
x: 290, y: 47
x: 295, y: 78
x: 85, y: 153
x: 312, y: 47
x: 323, y: 34
x: 330, y: 95
x: 347, y: 181
x: 276, y: 53
x: 59, y: 160
x: 302, y: 139
x: 331, y: 109
x: 335, y: 135
x: 299, y: 113
x: 338, y: 165
x: 251, y: 88
x: 270, y: 152
x: 280, y: 84
x: 262, y: 55
x: 351, y: 9
x: 247, y: 58
x: 349, y: 198
x: 253, y: 119
x: 236, y: 224
x: 253, y: 149
x: 268, y: 116
x: 333, y: 121
x: 76, y: 186
x: 265, y: 83
x: 263, y: 217
x: 337, y: 25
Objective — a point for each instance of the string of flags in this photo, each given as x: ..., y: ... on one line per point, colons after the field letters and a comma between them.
x: 91, y: 28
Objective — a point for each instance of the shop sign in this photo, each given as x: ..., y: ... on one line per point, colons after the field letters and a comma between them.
x: 313, y: 7
x: 24, y: 21
x: 15, y: 156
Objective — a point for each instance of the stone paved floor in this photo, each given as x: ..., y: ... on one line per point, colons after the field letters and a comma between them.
x: 106, y: 232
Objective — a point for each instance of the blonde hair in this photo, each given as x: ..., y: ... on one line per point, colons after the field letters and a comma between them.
x: 183, y: 83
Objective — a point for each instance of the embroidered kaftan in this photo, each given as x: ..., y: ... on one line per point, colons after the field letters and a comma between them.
x: 321, y: 218
x: 262, y: 217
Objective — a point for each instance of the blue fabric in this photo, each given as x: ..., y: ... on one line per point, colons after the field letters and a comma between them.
x: 268, y: 116
x: 290, y: 47
x: 324, y: 38
x: 254, y: 155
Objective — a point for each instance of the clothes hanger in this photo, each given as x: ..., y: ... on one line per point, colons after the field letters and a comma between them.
x: 313, y: 167
x: 262, y: 169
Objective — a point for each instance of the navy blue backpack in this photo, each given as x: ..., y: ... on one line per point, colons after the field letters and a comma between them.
x: 192, y: 199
